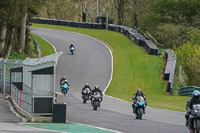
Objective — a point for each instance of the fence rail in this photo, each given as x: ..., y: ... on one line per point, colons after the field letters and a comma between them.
x: 21, y: 98
x: 187, y: 91
x: 35, y: 105
x: 5, y: 65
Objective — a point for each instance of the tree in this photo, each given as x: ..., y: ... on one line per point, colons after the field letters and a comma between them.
x: 12, y: 24
x: 188, y: 56
x: 120, y: 7
x: 24, y: 6
x: 171, y: 35
x: 3, y: 22
x: 179, y: 11
x: 194, y: 35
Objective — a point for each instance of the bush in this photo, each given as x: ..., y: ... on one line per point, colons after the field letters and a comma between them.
x: 189, y: 58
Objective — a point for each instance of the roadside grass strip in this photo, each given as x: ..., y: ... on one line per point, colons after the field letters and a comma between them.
x: 69, y: 127
x: 45, y: 47
x: 133, y: 68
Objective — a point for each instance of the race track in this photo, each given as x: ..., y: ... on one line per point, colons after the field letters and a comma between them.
x: 92, y: 63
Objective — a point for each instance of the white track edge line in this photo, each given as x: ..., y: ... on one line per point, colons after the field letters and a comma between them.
x: 111, y: 71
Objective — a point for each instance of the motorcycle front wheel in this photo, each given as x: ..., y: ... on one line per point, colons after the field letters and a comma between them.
x: 139, y: 113
x: 84, y: 101
x: 196, y: 126
x: 95, y: 105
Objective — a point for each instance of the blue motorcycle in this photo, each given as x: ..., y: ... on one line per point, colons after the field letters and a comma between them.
x: 140, y: 106
x: 65, y: 89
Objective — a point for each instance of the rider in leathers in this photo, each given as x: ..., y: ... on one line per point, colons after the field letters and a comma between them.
x: 193, y: 100
x: 138, y: 93
x: 86, y: 86
x: 93, y: 92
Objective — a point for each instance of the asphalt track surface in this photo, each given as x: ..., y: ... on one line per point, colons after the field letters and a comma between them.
x: 92, y: 63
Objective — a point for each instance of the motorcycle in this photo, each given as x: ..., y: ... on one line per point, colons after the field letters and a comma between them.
x: 72, y: 49
x: 61, y: 84
x: 96, y: 100
x: 140, y: 106
x: 195, y: 119
x: 65, y: 89
x: 86, y: 94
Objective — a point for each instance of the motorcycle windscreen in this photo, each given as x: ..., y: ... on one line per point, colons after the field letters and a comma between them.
x: 140, y: 99
x: 196, y: 106
x: 97, y: 94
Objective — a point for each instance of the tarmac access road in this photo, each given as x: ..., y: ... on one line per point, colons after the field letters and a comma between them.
x: 9, y: 122
x: 92, y: 63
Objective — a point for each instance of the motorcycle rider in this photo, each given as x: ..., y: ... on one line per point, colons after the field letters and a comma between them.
x: 139, y: 92
x: 66, y: 82
x: 64, y: 88
x: 94, y: 92
x: 191, y: 101
x: 62, y: 80
x: 86, y: 86
x: 71, y: 46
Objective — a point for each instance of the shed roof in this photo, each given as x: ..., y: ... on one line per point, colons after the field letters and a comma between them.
x: 46, y: 59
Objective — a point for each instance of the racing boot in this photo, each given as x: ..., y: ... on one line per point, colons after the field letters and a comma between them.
x: 187, y: 124
x: 134, y: 110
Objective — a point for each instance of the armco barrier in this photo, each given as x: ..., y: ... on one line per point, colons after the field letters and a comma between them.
x: 170, y: 67
x: 187, y: 91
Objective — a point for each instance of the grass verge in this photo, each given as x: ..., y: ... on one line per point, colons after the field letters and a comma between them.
x: 45, y: 47
x: 133, y: 69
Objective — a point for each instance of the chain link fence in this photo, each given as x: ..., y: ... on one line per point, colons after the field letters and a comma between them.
x: 5, y: 66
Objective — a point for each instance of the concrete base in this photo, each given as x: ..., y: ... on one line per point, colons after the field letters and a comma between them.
x: 60, y: 98
x: 27, y: 115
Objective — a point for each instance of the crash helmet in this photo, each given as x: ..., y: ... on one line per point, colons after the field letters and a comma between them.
x: 96, y: 87
x: 65, y: 80
x: 196, y: 94
x: 63, y: 77
x: 139, y: 91
x: 86, y: 84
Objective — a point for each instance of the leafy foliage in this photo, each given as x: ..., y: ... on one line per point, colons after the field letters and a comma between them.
x: 13, y: 22
x: 189, y: 58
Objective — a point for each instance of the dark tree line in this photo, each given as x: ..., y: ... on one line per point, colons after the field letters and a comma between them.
x: 14, y: 20
x: 173, y: 23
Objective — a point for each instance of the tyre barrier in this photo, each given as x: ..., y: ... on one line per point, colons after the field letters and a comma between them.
x: 133, y: 34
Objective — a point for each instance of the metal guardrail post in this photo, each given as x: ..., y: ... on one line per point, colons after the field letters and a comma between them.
x: 4, y: 78
x: 32, y: 98
x: 107, y: 21
x: 54, y: 99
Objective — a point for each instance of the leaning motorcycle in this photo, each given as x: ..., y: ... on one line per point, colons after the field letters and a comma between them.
x: 86, y: 94
x: 96, y: 100
x: 195, y: 119
x: 140, y: 106
x: 65, y: 89
x: 72, y: 49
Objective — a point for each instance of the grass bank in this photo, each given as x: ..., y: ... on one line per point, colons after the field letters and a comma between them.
x: 133, y: 69
x: 44, y: 46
